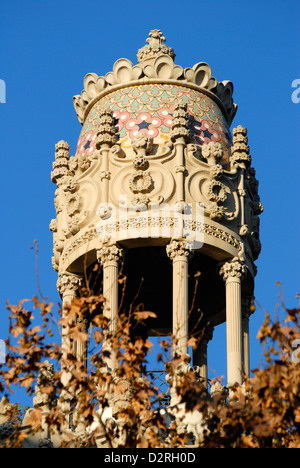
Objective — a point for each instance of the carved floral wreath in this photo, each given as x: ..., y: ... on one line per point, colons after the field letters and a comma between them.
x: 216, y: 191
x: 140, y: 182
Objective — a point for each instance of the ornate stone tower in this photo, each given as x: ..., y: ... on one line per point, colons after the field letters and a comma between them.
x: 159, y: 185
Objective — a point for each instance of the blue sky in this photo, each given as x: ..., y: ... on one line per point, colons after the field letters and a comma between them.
x: 46, y: 50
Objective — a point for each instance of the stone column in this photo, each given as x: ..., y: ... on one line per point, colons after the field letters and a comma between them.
x: 109, y: 256
x: 246, y: 312
x: 232, y: 273
x: 200, y: 354
x: 179, y: 253
x: 68, y: 285
x: 81, y: 346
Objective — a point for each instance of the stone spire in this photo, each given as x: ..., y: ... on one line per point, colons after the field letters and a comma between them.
x: 154, y: 47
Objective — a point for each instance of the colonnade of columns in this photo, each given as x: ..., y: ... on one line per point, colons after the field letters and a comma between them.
x: 237, y: 308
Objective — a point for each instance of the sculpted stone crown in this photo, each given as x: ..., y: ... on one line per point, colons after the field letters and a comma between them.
x: 156, y: 63
x: 154, y: 47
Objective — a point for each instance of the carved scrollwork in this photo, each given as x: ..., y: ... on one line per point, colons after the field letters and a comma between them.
x: 224, y: 91
x: 159, y: 181
x: 200, y: 74
x: 123, y: 72
x: 140, y: 202
x: 163, y: 68
x: 93, y: 84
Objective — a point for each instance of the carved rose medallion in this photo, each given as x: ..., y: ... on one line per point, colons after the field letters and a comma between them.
x: 141, y: 182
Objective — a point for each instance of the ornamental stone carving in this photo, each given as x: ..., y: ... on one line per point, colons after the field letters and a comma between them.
x: 216, y: 171
x: 141, y: 144
x: 61, y: 163
x: 212, y: 153
x: 155, y: 46
x: 109, y: 253
x: 107, y: 132
x: 79, y: 164
x: 180, y: 122
x: 179, y: 249
x: 141, y: 182
x: 73, y: 204
x: 156, y: 61
x: 45, y: 378
x: 240, y: 149
x: 216, y: 191
x: 68, y: 282
x: 123, y: 72
x: 233, y: 269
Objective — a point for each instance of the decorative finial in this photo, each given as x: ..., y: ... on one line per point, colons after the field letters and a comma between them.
x: 154, y: 47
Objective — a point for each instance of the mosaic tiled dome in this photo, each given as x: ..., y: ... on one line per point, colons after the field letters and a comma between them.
x: 149, y: 108
x: 142, y: 98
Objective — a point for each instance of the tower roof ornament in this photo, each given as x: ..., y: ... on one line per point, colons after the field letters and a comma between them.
x: 154, y: 47
x: 155, y: 62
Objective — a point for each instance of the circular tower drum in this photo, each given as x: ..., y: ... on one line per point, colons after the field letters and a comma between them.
x: 159, y: 185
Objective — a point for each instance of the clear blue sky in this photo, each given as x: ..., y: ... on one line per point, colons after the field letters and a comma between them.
x: 46, y: 49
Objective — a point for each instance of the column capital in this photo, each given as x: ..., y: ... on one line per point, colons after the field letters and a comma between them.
x: 235, y: 269
x: 68, y: 282
x: 109, y: 253
x: 179, y: 248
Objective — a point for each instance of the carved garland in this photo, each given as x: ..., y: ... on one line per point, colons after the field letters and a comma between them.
x: 140, y: 182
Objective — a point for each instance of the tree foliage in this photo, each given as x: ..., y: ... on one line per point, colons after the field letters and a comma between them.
x: 72, y: 401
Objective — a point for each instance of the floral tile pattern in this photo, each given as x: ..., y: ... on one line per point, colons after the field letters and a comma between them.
x: 149, y: 108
